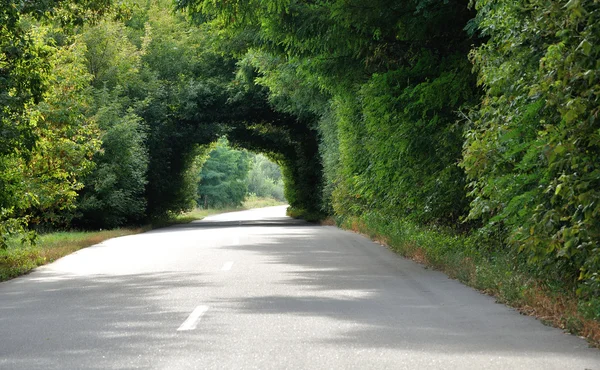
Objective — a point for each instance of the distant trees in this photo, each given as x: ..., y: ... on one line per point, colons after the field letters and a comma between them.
x: 265, y: 179
x: 224, y: 177
x: 106, y: 113
x: 229, y: 175
x: 509, y: 152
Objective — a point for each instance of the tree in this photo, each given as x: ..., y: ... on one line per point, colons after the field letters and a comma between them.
x: 114, y: 192
x: 224, y: 177
x: 67, y: 140
x: 532, y: 153
x: 387, y: 78
x: 264, y: 178
x: 40, y: 158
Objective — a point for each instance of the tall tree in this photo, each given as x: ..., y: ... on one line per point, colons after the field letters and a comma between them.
x: 224, y: 177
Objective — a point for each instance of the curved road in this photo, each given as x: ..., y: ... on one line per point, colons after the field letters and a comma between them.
x: 257, y: 290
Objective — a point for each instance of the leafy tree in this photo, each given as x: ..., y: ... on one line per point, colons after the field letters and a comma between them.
x: 67, y: 139
x: 224, y: 177
x: 114, y: 191
x: 387, y: 79
x: 264, y: 178
x: 42, y: 185
x: 533, y: 150
x: 112, y: 59
x: 28, y: 133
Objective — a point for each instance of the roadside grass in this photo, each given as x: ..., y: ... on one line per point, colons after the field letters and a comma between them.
x: 258, y: 202
x: 19, y: 260
x: 497, y: 274
x: 199, y: 213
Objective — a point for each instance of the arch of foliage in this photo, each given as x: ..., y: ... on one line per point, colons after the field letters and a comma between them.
x: 407, y: 130
x: 371, y: 108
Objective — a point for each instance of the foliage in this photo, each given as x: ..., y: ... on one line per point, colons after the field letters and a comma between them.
x: 40, y: 184
x: 385, y: 86
x: 23, y: 79
x: 114, y: 192
x: 67, y: 140
x: 264, y: 178
x: 532, y: 154
x: 224, y: 177
x: 370, y: 110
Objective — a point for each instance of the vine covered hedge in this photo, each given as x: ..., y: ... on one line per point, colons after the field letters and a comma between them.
x: 478, y: 115
x: 532, y: 154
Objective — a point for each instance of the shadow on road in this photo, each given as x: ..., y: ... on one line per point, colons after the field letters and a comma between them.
x: 208, y: 224
x: 99, y: 316
x: 384, y: 301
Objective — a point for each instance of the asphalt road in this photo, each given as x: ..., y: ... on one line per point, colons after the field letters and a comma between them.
x: 257, y: 290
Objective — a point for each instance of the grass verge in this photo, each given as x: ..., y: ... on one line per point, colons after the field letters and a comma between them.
x: 18, y: 260
x: 258, y: 202
x: 496, y: 274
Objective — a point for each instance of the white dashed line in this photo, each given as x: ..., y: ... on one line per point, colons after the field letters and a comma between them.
x: 192, y: 321
x: 227, y: 266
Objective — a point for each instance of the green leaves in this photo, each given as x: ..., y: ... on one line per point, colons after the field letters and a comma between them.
x: 224, y: 177
x: 538, y: 69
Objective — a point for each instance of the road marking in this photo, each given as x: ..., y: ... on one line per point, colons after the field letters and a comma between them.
x: 227, y: 266
x: 236, y: 240
x: 192, y: 321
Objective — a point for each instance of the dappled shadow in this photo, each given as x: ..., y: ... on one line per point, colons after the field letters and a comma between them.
x: 384, y: 301
x: 60, y: 321
x: 209, y: 224
x: 304, y: 290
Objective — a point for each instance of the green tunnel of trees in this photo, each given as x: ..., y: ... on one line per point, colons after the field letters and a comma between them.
x: 478, y: 116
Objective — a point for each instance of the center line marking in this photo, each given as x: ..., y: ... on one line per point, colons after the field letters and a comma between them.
x: 227, y: 266
x: 192, y: 321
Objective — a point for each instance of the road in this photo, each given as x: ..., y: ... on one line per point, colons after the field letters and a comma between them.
x: 257, y: 290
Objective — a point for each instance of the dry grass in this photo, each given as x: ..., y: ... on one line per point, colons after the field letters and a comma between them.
x: 17, y: 260
x: 328, y: 222
x: 257, y: 202
x: 497, y: 279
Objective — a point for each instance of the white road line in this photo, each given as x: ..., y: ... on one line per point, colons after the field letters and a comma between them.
x: 227, y: 266
x: 192, y: 321
x: 236, y: 240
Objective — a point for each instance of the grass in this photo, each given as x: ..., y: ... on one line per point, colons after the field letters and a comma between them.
x: 18, y: 260
x: 198, y: 214
x: 256, y: 202
x: 497, y: 274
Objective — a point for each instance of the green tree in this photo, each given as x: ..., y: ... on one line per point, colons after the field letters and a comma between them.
x: 44, y: 145
x: 114, y: 191
x: 67, y: 139
x: 224, y: 177
x: 264, y: 178
x: 533, y: 150
x: 387, y: 80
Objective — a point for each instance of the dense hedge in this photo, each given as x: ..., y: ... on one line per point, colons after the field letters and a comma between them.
x: 533, y: 151
x: 481, y: 116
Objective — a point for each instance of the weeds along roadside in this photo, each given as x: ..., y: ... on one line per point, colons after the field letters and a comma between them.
x: 16, y: 261
x: 500, y: 275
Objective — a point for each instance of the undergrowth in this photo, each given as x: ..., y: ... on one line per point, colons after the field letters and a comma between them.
x: 18, y: 260
x: 497, y: 273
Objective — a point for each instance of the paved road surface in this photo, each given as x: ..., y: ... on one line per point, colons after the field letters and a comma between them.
x: 257, y: 290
